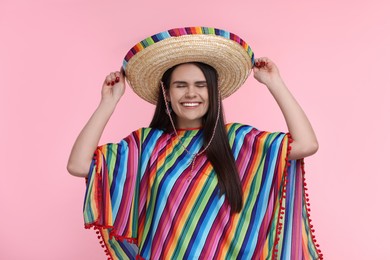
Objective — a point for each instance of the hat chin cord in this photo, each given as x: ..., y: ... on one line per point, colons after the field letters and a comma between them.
x: 193, y: 155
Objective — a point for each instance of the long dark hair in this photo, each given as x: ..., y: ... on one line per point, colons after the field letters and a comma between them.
x: 219, y: 152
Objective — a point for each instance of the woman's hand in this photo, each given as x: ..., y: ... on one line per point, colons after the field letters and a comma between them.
x: 265, y: 71
x: 113, y: 87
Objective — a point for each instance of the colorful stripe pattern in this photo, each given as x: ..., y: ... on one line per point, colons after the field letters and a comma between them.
x: 141, y: 191
x: 186, y: 31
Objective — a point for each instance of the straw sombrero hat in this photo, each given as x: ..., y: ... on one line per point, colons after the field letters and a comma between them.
x: 146, y: 62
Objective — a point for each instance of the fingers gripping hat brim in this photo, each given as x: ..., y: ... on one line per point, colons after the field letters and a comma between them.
x: 147, y: 61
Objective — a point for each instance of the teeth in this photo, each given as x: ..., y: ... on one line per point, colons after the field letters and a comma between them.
x: 190, y: 104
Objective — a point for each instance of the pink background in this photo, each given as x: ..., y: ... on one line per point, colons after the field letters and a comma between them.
x: 54, y: 55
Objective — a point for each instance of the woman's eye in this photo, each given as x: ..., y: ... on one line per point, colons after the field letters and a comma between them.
x: 202, y: 85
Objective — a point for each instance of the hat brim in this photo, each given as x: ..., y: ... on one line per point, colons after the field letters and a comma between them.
x: 145, y: 69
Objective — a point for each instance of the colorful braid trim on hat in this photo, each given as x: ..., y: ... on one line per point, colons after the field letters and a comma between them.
x: 185, y: 31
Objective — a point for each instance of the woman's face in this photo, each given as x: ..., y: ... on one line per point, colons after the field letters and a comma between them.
x: 188, y: 95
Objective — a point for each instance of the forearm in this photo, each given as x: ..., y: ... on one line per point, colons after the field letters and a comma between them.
x: 85, y: 145
x: 305, y: 141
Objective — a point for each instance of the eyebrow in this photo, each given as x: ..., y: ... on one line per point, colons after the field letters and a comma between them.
x: 185, y: 82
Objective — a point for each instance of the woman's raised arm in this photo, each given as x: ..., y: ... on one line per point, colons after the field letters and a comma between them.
x: 305, y: 141
x: 85, y: 145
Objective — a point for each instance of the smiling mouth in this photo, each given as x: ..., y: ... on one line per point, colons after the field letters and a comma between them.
x: 190, y: 104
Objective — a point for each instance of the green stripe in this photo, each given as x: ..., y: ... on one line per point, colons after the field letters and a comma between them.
x: 89, y: 215
x: 116, y: 248
x: 111, y: 158
x: 149, y: 41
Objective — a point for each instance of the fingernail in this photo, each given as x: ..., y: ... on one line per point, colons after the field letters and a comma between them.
x: 112, y: 83
x: 117, y: 79
x: 108, y: 83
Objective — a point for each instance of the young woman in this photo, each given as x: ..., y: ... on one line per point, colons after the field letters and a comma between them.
x: 189, y: 186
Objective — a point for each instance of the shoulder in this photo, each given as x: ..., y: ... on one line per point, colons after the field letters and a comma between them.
x: 147, y: 131
x: 245, y: 137
x: 136, y: 139
x: 238, y: 127
x: 145, y: 134
x: 243, y: 130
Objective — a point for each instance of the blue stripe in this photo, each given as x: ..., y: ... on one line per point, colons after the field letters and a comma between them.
x: 240, y: 135
x: 225, y: 34
x: 288, y: 216
x: 119, y: 177
x: 124, y: 64
x: 147, y: 147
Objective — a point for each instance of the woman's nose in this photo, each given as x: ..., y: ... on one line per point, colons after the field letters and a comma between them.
x: 191, y: 91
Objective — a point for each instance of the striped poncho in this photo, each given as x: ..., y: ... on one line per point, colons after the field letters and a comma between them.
x: 144, y: 201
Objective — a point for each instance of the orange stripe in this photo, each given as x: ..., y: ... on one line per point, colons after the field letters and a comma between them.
x: 198, y: 30
x: 138, y: 47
